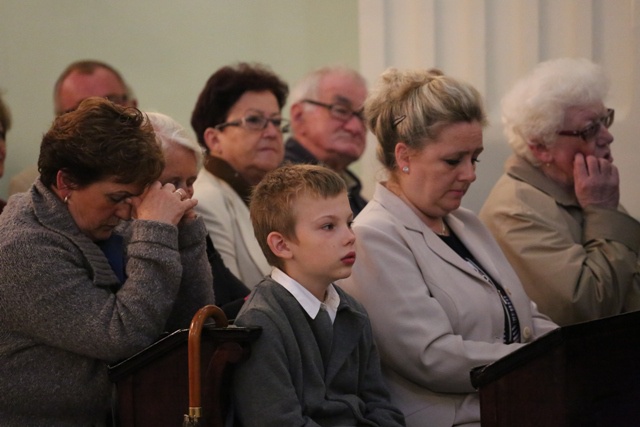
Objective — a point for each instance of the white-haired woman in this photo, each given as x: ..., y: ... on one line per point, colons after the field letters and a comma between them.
x: 183, y: 160
x: 555, y: 211
x: 441, y: 296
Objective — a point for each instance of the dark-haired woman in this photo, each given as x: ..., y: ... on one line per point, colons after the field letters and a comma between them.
x: 75, y: 293
x: 237, y: 120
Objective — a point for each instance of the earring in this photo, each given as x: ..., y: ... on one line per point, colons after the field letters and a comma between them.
x: 66, y: 199
x: 405, y: 169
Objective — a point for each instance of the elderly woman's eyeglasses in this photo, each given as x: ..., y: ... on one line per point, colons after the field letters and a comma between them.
x: 338, y: 111
x: 592, y: 130
x: 257, y: 122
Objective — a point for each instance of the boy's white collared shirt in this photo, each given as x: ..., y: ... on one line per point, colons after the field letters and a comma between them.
x: 309, y: 303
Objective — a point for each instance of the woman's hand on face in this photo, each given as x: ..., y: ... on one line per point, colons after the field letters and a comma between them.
x: 596, y: 182
x: 190, y: 214
x: 163, y: 203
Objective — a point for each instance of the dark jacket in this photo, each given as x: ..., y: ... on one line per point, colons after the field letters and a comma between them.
x: 296, y: 153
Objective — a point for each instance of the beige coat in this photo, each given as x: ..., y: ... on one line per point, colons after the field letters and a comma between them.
x: 227, y: 220
x: 576, y: 264
x: 434, y: 317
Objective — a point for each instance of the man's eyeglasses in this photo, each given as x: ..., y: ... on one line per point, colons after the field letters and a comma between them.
x: 257, y: 122
x: 592, y: 130
x: 338, y: 111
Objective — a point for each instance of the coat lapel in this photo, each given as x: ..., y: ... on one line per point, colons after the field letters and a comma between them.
x: 468, y: 236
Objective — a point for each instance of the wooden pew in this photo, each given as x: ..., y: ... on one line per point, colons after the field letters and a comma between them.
x: 153, y: 387
x: 582, y: 375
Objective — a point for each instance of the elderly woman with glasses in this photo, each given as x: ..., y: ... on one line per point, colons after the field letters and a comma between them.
x: 555, y: 211
x: 237, y: 120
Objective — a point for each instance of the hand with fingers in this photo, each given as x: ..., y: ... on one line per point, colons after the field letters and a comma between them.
x: 596, y: 182
x: 163, y: 203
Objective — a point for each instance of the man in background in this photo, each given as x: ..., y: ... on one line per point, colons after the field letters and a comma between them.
x: 328, y: 126
x: 80, y: 80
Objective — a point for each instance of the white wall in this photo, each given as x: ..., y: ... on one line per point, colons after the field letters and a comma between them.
x: 490, y: 43
x: 165, y: 49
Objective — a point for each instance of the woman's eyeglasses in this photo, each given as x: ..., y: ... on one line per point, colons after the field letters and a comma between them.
x: 257, y: 122
x: 592, y: 130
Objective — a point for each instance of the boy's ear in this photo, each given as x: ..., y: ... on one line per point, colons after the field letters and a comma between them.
x: 279, y: 245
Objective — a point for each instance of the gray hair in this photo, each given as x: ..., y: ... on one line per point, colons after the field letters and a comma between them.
x: 413, y: 106
x: 534, y: 109
x: 309, y: 86
x: 168, y: 131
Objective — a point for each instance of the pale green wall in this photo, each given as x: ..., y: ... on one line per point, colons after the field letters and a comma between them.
x: 165, y: 49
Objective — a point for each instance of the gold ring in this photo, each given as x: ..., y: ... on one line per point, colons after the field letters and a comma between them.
x: 181, y: 193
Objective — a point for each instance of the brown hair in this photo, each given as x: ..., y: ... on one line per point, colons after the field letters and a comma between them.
x: 100, y: 140
x: 273, y: 201
x: 226, y: 86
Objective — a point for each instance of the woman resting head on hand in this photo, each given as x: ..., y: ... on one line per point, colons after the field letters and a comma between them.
x: 82, y: 284
x: 102, y: 182
x: 183, y: 160
x: 556, y: 209
x: 182, y: 155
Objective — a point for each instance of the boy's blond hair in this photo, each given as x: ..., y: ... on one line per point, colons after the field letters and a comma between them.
x: 273, y: 200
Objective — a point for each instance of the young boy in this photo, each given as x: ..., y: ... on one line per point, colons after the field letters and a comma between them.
x: 303, y: 370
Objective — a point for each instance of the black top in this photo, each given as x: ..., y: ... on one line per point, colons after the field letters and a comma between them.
x: 511, y: 322
x: 229, y: 291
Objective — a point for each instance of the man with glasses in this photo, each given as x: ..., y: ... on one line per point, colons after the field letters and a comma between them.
x: 555, y: 212
x: 80, y: 80
x: 327, y: 124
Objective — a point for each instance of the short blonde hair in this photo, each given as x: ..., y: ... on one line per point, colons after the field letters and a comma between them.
x: 413, y: 106
x: 273, y: 200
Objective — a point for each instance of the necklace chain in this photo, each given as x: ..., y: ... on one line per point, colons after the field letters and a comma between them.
x: 444, y: 229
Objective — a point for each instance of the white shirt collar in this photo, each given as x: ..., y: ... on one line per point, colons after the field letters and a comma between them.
x: 306, y: 299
